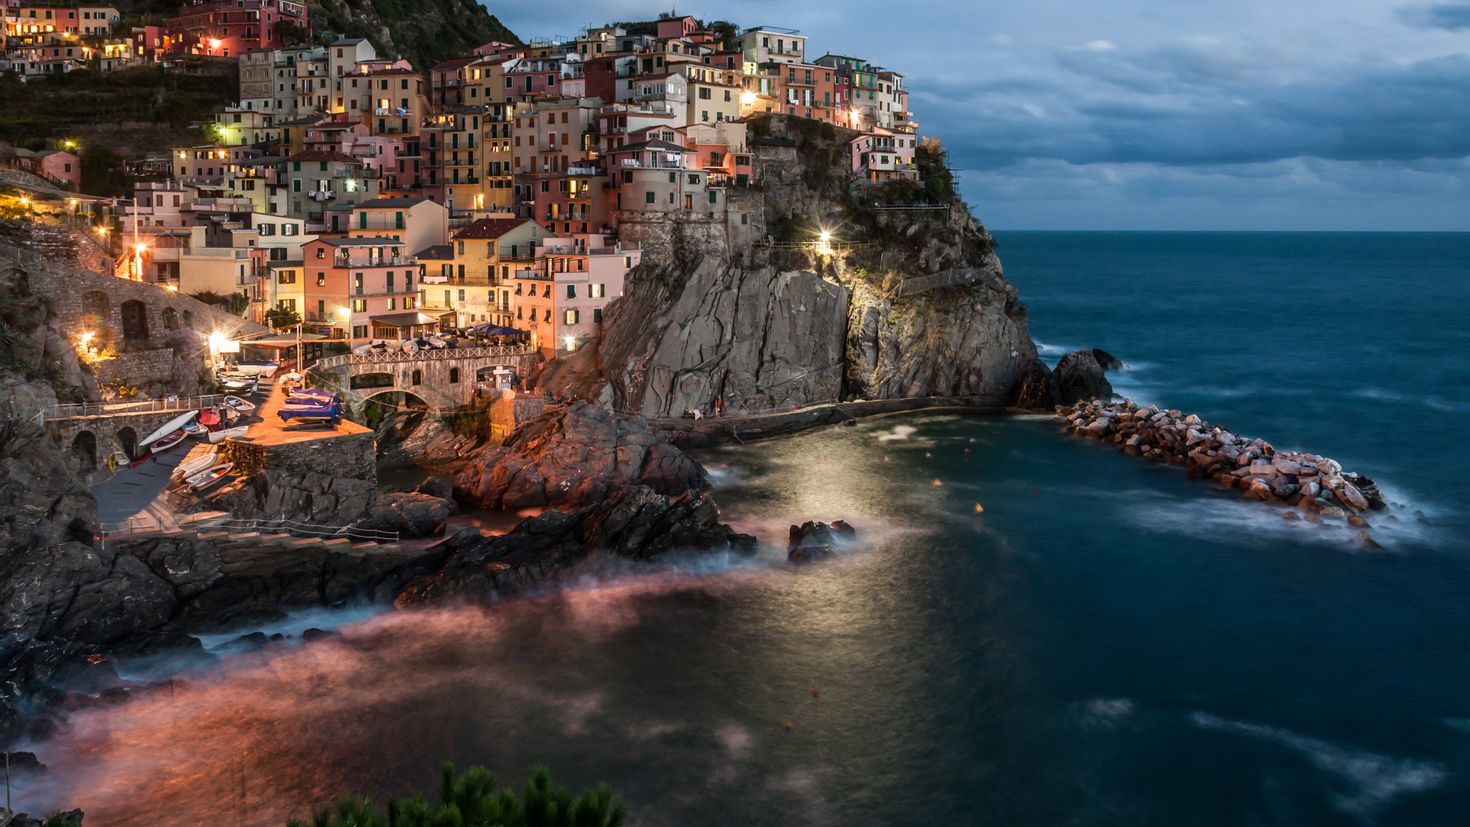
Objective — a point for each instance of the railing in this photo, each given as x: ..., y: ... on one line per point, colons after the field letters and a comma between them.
x: 301, y: 529
x: 444, y: 354
x: 166, y: 404
x: 945, y: 278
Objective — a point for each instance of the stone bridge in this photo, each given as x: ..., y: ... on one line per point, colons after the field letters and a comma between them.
x: 87, y: 437
x: 441, y: 379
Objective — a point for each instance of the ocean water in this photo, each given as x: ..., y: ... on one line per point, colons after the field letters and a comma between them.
x: 1101, y: 642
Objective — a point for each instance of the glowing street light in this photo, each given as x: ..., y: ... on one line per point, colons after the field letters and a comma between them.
x: 824, y: 243
x: 747, y: 98
x: 214, y: 43
x: 570, y: 342
x: 25, y: 201
x: 85, y: 340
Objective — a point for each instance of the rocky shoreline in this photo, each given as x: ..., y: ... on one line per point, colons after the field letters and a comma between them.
x: 1314, y: 486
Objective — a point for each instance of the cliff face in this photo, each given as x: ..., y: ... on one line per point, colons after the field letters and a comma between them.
x: 424, y: 31
x: 908, y: 303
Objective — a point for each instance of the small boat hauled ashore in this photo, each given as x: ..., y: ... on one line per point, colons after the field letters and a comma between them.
x: 216, y: 437
x: 196, y: 465
x: 205, y: 479
x: 168, y: 442
x: 238, y: 404
x: 169, y: 427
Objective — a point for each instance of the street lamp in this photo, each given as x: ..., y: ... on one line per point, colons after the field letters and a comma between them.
x: 570, y: 342
x: 824, y: 243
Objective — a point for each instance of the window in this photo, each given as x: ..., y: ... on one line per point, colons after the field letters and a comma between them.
x: 648, y: 197
x: 321, y: 252
x: 286, y: 277
x: 597, y: 315
x: 454, y: 376
x: 571, y: 317
x: 571, y: 291
x: 321, y: 279
x: 417, y: 378
x: 359, y: 305
x: 357, y: 283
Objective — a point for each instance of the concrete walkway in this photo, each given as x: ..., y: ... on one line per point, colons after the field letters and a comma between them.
x: 136, y: 498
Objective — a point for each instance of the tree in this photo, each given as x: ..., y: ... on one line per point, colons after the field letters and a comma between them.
x: 281, y: 318
x: 475, y: 800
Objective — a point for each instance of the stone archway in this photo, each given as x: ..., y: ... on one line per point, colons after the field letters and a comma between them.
x: 367, y: 381
x: 84, y: 451
x: 134, y: 321
x: 97, y: 317
x: 127, y: 439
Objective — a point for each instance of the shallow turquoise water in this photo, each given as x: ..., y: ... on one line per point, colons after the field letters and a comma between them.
x: 1108, y: 643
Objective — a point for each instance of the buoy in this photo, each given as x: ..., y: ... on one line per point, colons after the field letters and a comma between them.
x: 937, y: 484
x: 979, y: 509
x: 788, y: 725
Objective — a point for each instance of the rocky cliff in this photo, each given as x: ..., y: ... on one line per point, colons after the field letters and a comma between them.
x: 905, y: 303
x: 424, y: 31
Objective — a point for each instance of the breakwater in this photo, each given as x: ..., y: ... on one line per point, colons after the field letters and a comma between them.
x: 1315, y: 485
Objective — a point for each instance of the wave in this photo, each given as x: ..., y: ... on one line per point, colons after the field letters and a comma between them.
x: 1432, y: 402
x: 1372, y: 779
x: 1213, y: 517
x: 1105, y: 713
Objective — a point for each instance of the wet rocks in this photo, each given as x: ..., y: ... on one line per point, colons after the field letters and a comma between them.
x: 812, y: 541
x: 1081, y: 375
x: 411, y: 514
x: 574, y: 457
x: 633, y: 522
x: 1315, y: 485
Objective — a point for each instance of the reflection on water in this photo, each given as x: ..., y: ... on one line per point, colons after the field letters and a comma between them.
x: 1060, y: 658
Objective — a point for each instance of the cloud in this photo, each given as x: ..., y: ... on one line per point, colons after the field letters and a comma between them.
x: 1183, y: 106
x: 1452, y: 16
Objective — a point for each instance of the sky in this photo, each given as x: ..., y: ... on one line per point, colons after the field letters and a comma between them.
x: 1141, y: 115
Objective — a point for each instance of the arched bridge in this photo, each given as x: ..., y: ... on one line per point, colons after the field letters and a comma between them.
x: 444, y: 378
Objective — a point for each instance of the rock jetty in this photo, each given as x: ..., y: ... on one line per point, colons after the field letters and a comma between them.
x: 1315, y: 485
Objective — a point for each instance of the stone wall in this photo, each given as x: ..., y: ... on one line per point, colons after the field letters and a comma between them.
x: 86, y: 441
x: 344, y: 456
x: 118, y: 311
x: 139, y: 369
x: 508, y: 412
x: 664, y: 235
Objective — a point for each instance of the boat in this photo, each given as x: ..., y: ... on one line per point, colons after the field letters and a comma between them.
x: 227, y: 433
x: 194, y: 466
x: 168, y: 427
x: 195, y: 428
x: 238, y: 404
x: 205, y: 479
x: 319, y: 413
x: 409, y: 346
x: 309, y: 393
x: 257, y: 369
x: 210, y: 417
x: 168, y: 442
x: 238, y: 383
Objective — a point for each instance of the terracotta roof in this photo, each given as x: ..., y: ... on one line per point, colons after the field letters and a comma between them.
x: 491, y: 227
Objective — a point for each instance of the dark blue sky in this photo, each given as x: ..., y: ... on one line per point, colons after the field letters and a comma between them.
x: 1135, y: 114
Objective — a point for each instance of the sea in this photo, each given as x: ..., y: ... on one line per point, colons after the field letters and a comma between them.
x: 1029, y: 629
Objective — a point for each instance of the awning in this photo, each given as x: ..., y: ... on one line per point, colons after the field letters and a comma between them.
x: 281, y: 342
x: 409, y: 319
x: 496, y: 330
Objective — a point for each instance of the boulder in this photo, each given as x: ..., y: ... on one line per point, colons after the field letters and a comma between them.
x: 1081, y: 376
x: 575, y: 457
x: 812, y: 541
x: 408, y: 513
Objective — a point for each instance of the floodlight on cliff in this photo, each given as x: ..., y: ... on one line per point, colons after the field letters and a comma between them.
x: 25, y: 201
x: 85, y: 340
x: 824, y: 243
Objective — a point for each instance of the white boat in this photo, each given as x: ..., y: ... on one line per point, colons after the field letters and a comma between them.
x: 194, y: 429
x: 266, y: 369
x: 409, y: 346
x: 205, y: 479
x: 238, y: 404
x: 438, y: 343
x: 169, y: 427
x: 194, y: 466
x: 228, y: 433
x: 168, y: 442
